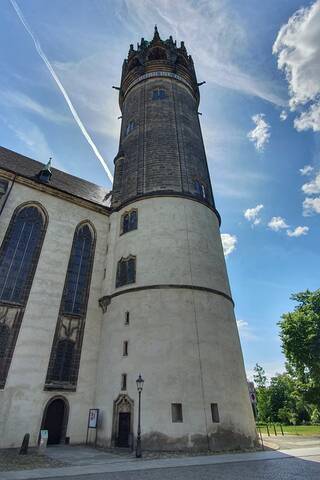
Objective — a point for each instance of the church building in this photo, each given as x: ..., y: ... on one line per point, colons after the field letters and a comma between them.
x: 98, y: 286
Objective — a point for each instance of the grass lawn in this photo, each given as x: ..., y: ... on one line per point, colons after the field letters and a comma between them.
x: 293, y: 430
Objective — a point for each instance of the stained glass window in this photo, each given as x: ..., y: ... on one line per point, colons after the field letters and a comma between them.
x: 79, y: 270
x: 66, y: 349
x: 19, y: 254
x: 62, y: 367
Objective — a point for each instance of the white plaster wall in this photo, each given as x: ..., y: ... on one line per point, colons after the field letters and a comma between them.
x: 177, y: 241
x: 23, y: 400
x: 184, y: 342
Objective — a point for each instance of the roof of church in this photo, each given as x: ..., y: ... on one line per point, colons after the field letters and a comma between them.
x: 29, y: 168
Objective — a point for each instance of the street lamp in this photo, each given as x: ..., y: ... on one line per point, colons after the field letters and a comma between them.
x: 139, y: 383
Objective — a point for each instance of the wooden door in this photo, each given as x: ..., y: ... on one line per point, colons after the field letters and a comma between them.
x: 124, y: 429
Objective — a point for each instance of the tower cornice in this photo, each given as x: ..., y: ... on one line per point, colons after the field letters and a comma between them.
x: 155, y: 58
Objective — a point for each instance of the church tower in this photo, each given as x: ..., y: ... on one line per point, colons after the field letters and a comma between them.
x: 168, y: 310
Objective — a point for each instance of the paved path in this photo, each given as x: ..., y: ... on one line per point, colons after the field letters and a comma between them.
x: 303, y: 463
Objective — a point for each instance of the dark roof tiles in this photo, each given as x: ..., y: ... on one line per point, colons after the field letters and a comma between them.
x: 26, y: 167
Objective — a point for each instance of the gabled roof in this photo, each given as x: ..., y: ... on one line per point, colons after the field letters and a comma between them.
x: 28, y: 168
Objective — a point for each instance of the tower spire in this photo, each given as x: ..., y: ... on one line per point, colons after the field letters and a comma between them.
x: 156, y: 35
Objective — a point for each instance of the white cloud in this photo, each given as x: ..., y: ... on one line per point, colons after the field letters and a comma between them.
x: 24, y: 102
x: 252, y: 214
x: 298, y: 231
x: 297, y: 47
x: 245, y: 331
x: 309, y: 119
x: 277, y: 223
x: 310, y: 206
x: 283, y: 115
x: 312, y: 187
x: 306, y: 170
x: 219, y: 49
x: 261, y: 133
x: 229, y: 243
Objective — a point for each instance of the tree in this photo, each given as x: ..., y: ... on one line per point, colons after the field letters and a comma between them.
x: 300, y: 335
x: 260, y: 380
x: 259, y: 377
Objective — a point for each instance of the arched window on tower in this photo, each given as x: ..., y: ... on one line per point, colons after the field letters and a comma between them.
x: 200, y: 189
x: 19, y: 256
x: 129, y: 221
x: 158, y: 94
x: 130, y: 126
x: 66, y: 349
x: 126, y: 271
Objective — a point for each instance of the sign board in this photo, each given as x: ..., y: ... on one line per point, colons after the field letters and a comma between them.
x: 93, y: 418
x: 43, y: 438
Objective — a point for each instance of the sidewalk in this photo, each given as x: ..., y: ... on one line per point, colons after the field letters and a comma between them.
x: 99, y: 464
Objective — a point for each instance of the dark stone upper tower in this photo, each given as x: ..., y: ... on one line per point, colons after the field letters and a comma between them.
x: 161, y: 148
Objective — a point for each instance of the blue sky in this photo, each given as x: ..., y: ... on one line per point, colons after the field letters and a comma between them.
x: 261, y: 60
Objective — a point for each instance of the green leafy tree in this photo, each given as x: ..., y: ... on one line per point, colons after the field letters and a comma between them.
x: 300, y: 335
x: 260, y: 380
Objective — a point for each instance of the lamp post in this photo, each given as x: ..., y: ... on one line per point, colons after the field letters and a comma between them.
x: 139, y: 383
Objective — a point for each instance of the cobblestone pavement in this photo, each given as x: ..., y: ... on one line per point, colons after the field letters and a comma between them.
x: 278, y: 469
x: 11, y: 460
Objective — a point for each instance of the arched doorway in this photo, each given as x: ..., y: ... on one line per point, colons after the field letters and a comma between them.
x: 123, y: 422
x: 55, y: 420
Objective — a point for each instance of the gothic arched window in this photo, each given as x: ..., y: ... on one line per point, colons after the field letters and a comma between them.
x: 129, y: 221
x: 79, y: 272
x: 62, y: 367
x: 126, y: 271
x: 19, y: 256
x: 66, y: 349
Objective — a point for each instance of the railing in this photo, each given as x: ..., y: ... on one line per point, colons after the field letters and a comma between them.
x: 274, y: 428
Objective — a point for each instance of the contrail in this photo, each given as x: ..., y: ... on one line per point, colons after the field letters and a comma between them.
x: 61, y: 88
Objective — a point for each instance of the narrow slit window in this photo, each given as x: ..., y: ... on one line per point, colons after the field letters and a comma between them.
x: 125, y: 348
x: 215, y: 413
x: 127, y: 318
x: 130, y: 127
x: 124, y: 381
x: 200, y: 189
x: 176, y: 412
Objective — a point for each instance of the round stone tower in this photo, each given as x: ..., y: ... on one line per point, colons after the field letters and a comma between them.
x: 168, y: 310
